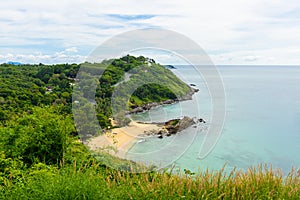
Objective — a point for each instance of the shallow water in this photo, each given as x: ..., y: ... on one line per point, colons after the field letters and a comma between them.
x: 262, y: 122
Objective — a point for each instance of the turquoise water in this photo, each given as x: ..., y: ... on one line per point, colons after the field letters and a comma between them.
x: 262, y: 122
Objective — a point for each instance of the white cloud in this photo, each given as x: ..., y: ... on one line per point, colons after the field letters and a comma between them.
x: 57, y: 57
x: 229, y: 31
x: 72, y: 49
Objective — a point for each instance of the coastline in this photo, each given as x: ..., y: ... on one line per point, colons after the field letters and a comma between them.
x: 121, y: 139
x: 146, y: 107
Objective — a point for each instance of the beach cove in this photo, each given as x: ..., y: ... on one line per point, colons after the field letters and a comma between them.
x: 121, y: 139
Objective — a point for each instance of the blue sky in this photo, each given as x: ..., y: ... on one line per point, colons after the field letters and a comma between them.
x: 231, y: 32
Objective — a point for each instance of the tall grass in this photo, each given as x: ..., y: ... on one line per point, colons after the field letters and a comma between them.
x: 93, y: 181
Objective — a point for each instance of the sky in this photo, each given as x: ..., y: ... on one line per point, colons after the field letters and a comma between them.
x: 256, y: 32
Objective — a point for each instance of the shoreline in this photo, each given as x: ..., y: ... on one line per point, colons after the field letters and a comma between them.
x: 149, y: 106
x: 121, y: 139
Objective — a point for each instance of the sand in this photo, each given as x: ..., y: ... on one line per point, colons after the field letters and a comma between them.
x: 121, y: 139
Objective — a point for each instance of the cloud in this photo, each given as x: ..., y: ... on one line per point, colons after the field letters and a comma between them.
x: 130, y: 17
x: 58, y: 57
x: 228, y: 31
x: 72, y: 49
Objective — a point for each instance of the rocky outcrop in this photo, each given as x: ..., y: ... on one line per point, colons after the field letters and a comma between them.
x: 148, y: 106
x: 169, y: 66
x: 177, y: 125
x: 172, y: 127
x: 188, y: 96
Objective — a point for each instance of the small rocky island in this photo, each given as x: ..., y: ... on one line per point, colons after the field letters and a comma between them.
x: 173, y: 126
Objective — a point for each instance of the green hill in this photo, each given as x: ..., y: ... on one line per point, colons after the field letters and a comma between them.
x: 128, y: 84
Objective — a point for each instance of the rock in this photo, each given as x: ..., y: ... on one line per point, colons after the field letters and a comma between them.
x: 143, y: 108
x: 169, y: 66
x: 201, y: 120
x: 188, y: 96
x: 162, y: 131
x: 171, y: 127
x: 176, y: 125
x: 185, y: 122
x: 136, y: 110
x: 160, y: 137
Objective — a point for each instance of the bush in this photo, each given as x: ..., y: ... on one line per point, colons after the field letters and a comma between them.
x: 38, y: 136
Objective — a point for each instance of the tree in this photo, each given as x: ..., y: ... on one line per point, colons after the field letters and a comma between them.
x: 40, y: 135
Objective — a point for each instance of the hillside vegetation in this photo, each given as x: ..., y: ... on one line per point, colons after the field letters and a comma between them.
x: 24, y: 86
x: 41, y: 156
x: 125, y: 84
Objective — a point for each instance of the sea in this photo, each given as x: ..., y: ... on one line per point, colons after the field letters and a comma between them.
x: 261, y: 125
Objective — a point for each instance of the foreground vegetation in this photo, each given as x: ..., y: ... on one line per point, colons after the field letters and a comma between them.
x: 90, y: 180
x: 41, y: 156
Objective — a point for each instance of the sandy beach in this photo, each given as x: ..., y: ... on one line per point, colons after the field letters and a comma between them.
x: 121, y: 139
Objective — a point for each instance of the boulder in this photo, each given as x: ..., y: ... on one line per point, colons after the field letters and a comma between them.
x: 171, y: 127
x: 176, y: 125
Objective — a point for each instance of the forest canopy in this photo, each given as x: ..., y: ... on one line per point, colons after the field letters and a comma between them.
x: 26, y: 86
